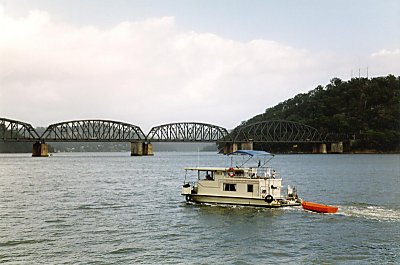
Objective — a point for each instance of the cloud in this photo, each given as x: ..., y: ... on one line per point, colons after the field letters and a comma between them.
x: 147, y: 72
x: 385, y: 61
x: 385, y: 52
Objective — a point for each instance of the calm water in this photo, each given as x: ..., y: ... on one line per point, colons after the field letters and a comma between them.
x: 110, y: 208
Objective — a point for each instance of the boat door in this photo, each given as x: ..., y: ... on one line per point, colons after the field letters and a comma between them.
x: 256, y: 190
x: 253, y: 190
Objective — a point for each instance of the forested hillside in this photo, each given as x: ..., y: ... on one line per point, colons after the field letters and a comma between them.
x: 367, y: 110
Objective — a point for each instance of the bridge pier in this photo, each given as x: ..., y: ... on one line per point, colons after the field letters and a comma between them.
x: 319, y: 149
x: 141, y: 149
x: 148, y: 149
x: 337, y: 148
x: 246, y: 146
x: 40, y: 150
x: 230, y: 148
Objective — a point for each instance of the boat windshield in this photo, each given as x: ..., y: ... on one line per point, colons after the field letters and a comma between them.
x: 202, y: 173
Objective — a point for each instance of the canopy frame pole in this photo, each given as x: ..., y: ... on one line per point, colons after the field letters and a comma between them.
x: 267, y: 161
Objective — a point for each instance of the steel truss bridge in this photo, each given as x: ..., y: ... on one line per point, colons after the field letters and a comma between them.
x: 274, y: 131
x: 92, y: 131
x: 187, y: 132
x: 17, y: 131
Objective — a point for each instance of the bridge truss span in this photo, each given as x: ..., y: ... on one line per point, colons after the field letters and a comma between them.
x: 17, y: 131
x: 277, y: 131
x: 93, y: 131
x: 187, y: 132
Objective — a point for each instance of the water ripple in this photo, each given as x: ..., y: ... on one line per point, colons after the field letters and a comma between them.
x: 117, y: 209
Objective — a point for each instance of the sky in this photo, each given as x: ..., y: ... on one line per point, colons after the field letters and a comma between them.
x: 161, y: 61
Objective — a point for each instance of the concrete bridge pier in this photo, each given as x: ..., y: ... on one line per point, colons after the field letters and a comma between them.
x: 40, y: 149
x: 230, y: 148
x: 148, y: 149
x: 141, y: 149
x: 337, y: 148
x: 246, y: 146
x: 319, y: 149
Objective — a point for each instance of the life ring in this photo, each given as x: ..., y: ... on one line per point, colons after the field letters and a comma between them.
x: 188, y: 198
x: 269, y: 198
x: 231, y: 172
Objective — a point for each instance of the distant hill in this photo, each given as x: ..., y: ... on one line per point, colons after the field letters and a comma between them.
x: 368, y: 110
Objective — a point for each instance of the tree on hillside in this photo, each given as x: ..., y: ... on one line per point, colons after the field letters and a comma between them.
x: 368, y: 110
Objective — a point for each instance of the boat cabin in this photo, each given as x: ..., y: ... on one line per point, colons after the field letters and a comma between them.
x: 244, y: 182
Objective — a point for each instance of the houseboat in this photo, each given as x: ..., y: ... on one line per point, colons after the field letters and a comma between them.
x: 247, y: 181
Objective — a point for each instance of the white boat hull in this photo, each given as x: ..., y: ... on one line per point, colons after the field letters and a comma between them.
x: 241, y: 201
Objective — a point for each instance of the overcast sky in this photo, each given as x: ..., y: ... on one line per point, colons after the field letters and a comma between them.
x: 155, y: 62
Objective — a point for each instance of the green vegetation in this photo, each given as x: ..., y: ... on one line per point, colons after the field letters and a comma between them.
x: 15, y: 147
x: 366, y: 110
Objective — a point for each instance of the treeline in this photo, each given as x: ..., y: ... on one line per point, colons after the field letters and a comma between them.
x: 366, y: 110
x: 15, y: 147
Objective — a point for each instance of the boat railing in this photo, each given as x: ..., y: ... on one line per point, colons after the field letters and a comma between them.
x: 266, y: 172
x: 189, y: 183
x: 193, y: 185
x: 255, y: 172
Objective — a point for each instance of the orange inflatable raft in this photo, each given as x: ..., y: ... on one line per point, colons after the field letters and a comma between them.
x: 319, y: 208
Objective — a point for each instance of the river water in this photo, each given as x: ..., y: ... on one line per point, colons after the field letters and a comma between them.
x: 111, y: 208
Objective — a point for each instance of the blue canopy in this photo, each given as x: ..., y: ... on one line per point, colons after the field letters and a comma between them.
x: 251, y: 153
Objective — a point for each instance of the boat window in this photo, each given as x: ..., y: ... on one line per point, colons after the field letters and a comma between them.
x: 209, y: 175
x: 249, y: 187
x: 239, y: 173
x: 229, y: 187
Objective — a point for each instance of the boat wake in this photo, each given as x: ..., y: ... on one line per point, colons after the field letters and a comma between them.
x: 378, y: 213
x: 370, y: 212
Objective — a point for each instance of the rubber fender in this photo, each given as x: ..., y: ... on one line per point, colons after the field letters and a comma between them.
x: 268, y: 198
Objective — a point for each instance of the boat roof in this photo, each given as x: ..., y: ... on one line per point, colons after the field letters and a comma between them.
x: 251, y: 153
x: 207, y: 168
